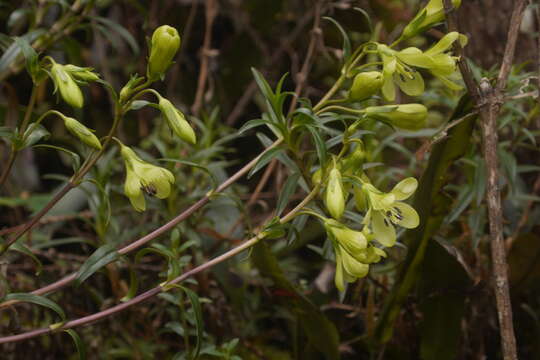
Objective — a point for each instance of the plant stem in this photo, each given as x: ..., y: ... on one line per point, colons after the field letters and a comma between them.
x: 161, y: 288
x: 159, y: 231
x: 74, y: 181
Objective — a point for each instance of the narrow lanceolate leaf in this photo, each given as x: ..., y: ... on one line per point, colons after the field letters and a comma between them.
x: 265, y: 159
x: 32, y: 65
x: 319, y: 145
x: 79, y: 344
x: 100, y: 258
x: 346, y: 47
x: 38, y: 300
x: 19, y: 247
x: 199, y: 324
x: 287, y: 192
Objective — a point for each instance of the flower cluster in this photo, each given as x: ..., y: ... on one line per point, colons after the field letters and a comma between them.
x: 356, y: 250
x: 66, y: 79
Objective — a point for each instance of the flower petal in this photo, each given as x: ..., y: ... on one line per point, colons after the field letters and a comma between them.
x: 411, y: 82
x: 338, y: 278
x: 383, y: 229
x: 352, y: 266
x: 405, y: 188
x: 443, y: 44
x: 409, y: 216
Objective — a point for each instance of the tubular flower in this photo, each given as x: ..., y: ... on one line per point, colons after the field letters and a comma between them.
x: 352, y: 251
x: 164, y: 45
x: 69, y: 90
x: 408, y: 79
x: 177, y: 121
x: 405, y: 116
x: 335, y: 195
x: 386, y: 209
x: 436, y: 59
x: 430, y: 15
x: 82, y: 132
x: 142, y: 176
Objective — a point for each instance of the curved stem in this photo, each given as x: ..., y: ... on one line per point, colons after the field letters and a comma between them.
x: 74, y: 181
x: 160, y: 288
x: 159, y: 231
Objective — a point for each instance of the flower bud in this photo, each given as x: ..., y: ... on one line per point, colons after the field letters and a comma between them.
x: 176, y: 121
x: 81, y: 73
x: 164, y: 45
x: 360, y: 199
x: 316, y: 177
x: 69, y: 90
x: 406, y: 116
x: 127, y: 89
x: 354, y: 161
x: 430, y: 15
x: 82, y: 132
x: 365, y: 84
x: 335, y: 195
x: 353, y: 241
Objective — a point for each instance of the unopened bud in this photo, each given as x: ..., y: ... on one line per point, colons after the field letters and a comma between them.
x: 365, y: 84
x: 82, y: 132
x: 177, y: 121
x: 81, y: 73
x: 406, y: 116
x: 164, y: 45
x: 335, y: 195
x: 69, y: 90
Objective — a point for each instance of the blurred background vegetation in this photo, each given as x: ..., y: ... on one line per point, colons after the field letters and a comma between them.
x: 254, y: 309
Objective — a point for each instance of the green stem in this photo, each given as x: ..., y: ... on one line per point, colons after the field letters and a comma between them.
x: 341, y: 108
x: 74, y: 181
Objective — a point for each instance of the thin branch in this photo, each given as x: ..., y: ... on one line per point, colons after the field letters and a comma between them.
x: 489, y: 100
x: 159, y: 231
x: 206, y: 53
x: 301, y: 77
x: 161, y: 288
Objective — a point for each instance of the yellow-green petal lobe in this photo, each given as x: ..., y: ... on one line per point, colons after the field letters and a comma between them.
x: 383, y: 229
x: 409, y: 216
x: 405, y: 188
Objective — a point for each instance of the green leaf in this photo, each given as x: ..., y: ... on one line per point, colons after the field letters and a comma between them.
x: 32, y: 135
x: 76, y: 160
x: 252, y: 124
x: 346, y: 47
x: 102, y: 256
x: 366, y: 17
x: 319, y: 145
x: 13, y: 52
x: 320, y: 332
x: 38, y: 300
x: 19, y: 247
x: 266, y: 90
x: 79, y: 344
x: 287, y: 192
x: 133, y: 285
x: 32, y: 66
x: 120, y: 30
x: 199, y: 324
x: 265, y: 159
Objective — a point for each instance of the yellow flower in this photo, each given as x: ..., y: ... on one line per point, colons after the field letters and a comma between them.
x: 164, y: 45
x: 352, y: 251
x: 430, y: 15
x: 386, y: 209
x: 144, y: 177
